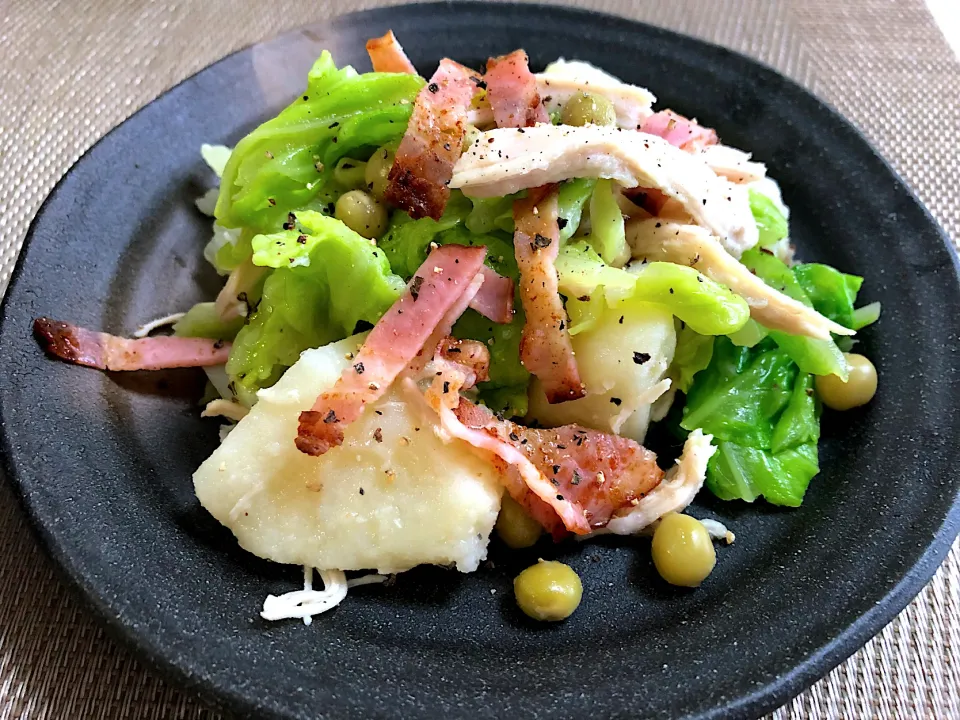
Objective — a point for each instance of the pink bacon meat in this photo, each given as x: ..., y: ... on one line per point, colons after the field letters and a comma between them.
x: 387, y: 55
x: 512, y: 91
x: 100, y: 350
x: 679, y: 131
x: 494, y: 300
x: 437, y: 295
x: 545, y: 347
x: 432, y: 143
x: 570, y: 479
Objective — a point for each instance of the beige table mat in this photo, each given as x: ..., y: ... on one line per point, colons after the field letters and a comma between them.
x: 69, y: 71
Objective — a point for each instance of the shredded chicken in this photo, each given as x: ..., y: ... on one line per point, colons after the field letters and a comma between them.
x: 504, y: 161
x: 225, y: 408
x: 232, y: 301
x: 147, y: 328
x: 653, y: 240
x: 735, y: 165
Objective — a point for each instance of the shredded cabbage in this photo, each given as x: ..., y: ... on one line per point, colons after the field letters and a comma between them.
x: 342, y: 281
x: 693, y: 354
x: 607, y: 234
x: 286, y: 163
x: 771, y: 222
x: 764, y: 417
x: 706, y: 306
x: 820, y: 357
x: 571, y: 200
x: 203, y: 320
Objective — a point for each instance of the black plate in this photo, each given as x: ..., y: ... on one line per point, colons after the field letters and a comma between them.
x: 103, y: 463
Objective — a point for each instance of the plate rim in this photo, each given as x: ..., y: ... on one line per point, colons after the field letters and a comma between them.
x: 765, y: 699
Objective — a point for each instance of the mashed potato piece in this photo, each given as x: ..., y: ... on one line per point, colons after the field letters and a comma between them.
x: 622, y: 360
x: 391, y: 497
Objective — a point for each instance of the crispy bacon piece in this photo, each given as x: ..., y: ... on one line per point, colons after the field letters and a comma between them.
x: 495, y: 298
x: 512, y: 91
x: 433, y: 142
x: 679, y: 131
x: 569, y: 478
x: 545, y: 347
x: 94, y: 349
x: 471, y: 355
x: 437, y: 295
x: 387, y: 55
x: 457, y: 365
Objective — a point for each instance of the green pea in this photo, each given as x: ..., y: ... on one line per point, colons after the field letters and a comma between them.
x: 361, y: 213
x: 683, y: 550
x: 349, y: 174
x: 515, y: 527
x: 588, y: 109
x: 548, y: 591
x: 378, y: 171
x: 858, y: 390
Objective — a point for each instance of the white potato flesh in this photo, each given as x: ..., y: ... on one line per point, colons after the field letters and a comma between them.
x: 408, y: 500
x: 610, y: 372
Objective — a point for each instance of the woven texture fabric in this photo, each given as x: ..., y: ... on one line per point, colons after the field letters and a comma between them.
x: 71, y: 71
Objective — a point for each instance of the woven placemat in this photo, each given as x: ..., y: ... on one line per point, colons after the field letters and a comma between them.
x: 71, y: 71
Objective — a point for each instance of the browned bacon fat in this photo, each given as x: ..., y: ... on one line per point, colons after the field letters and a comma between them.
x: 387, y: 55
x: 432, y: 143
x: 472, y: 356
x: 94, y: 349
x: 404, y: 338
x: 545, y: 347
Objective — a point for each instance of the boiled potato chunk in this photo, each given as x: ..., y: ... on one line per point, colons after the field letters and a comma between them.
x: 386, y: 500
x: 621, y: 359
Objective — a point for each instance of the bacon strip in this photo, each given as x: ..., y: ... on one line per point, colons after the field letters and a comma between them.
x: 679, y: 131
x: 512, y: 91
x: 495, y: 298
x: 545, y: 347
x: 94, y: 349
x: 569, y: 478
x: 436, y: 296
x: 387, y: 55
x: 433, y: 142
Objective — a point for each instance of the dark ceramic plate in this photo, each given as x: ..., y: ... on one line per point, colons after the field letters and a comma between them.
x: 103, y: 462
